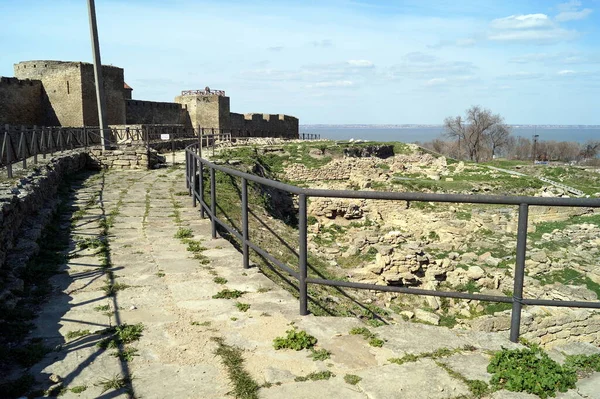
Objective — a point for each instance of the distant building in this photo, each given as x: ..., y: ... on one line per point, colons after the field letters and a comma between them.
x: 62, y: 93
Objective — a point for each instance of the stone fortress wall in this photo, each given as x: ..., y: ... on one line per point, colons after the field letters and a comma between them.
x: 62, y: 93
x: 20, y: 101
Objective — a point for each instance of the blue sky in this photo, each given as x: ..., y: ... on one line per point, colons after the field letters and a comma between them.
x: 342, y: 61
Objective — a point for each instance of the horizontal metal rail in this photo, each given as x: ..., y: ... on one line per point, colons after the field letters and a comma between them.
x: 196, y: 166
x: 18, y: 144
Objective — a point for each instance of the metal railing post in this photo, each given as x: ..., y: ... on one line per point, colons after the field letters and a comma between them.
x: 7, y: 148
x: 188, y: 175
x: 50, y: 141
x: 245, y: 249
x: 213, y: 203
x: 515, y: 321
x: 23, y: 146
x: 201, y: 187
x: 43, y: 142
x: 302, y: 257
x: 34, y: 145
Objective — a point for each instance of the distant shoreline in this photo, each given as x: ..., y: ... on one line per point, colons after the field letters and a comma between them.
x: 418, y: 126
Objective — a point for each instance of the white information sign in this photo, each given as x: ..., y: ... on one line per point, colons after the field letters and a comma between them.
x: 165, y: 136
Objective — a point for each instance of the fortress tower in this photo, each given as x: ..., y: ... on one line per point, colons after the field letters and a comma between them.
x: 206, y: 108
x: 68, y: 95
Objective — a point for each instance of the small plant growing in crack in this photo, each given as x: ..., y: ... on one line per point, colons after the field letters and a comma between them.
x: 295, y: 339
x: 184, y: 233
x: 127, y: 354
x: 352, y: 379
x: 117, y: 382
x: 368, y: 335
x: 76, y: 334
x: 319, y: 354
x: 110, y: 288
x: 242, y: 307
x: 228, y: 294
x: 316, y: 376
x: 123, y: 334
x: 220, y: 280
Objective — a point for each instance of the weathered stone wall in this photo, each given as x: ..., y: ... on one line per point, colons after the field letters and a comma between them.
x: 114, y: 93
x: 266, y: 125
x: 548, y: 327
x: 129, y: 156
x: 207, y: 111
x: 24, y: 211
x: 151, y: 112
x: 62, y: 90
x: 69, y: 92
x: 20, y: 101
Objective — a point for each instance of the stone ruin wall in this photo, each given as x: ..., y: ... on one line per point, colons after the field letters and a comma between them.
x: 153, y: 113
x: 62, y: 93
x: 266, y: 125
x: 24, y: 210
x: 20, y: 101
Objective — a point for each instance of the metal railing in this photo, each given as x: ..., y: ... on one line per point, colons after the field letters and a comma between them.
x: 206, y: 92
x: 195, y: 171
x: 20, y: 143
x: 310, y: 136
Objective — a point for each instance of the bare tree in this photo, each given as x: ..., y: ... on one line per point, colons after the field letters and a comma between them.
x: 590, y: 149
x: 473, y: 132
x: 498, y: 137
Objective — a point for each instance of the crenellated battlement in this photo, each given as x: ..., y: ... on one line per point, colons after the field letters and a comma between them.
x: 63, y: 93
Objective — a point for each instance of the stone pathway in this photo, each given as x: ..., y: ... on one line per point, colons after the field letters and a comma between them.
x: 169, y: 290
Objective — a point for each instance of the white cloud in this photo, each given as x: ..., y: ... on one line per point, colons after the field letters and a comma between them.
x: 275, y: 49
x: 528, y: 21
x: 566, y: 72
x: 465, y: 42
x: 521, y: 75
x: 573, y: 15
x: 567, y: 58
x: 528, y: 28
x: 569, y: 6
x: 436, y: 82
x: 335, y: 83
x: 322, y: 43
x: 571, y: 11
x: 554, y: 35
x: 360, y: 63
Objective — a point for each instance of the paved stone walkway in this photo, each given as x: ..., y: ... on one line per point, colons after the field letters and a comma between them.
x: 170, y: 293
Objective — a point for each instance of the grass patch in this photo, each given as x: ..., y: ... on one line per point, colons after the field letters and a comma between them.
x: 78, y: 389
x: 319, y: 354
x: 220, y: 280
x: 242, y: 307
x: 296, y: 340
x: 126, y: 355
x: 530, y: 370
x: 368, y: 335
x: 76, y: 334
x: 439, y: 353
x: 119, y: 335
x: 116, y: 383
x: 183, y: 233
x: 110, y: 288
x: 316, y: 376
x: 228, y: 294
x: 244, y: 387
x: 352, y: 379
x: 195, y: 246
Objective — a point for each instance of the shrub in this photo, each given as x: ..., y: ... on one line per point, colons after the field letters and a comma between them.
x: 530, y: 370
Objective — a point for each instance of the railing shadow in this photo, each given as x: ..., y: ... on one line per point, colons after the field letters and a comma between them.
x: 282, y: 276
